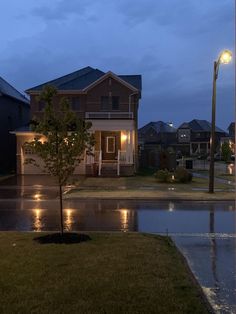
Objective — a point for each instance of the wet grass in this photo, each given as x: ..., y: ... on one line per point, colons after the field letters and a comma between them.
x: 111, y: 273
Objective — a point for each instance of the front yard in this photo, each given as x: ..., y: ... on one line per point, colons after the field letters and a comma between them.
x: 111, y: 273
x: 141, y: 187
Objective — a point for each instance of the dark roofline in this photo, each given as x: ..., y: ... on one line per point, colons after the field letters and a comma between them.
x: 24, y: 101
x: 63, y: 76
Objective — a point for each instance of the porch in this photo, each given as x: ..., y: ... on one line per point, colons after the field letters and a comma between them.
x: 113, y: 154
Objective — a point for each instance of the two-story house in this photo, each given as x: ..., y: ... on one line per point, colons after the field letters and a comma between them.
x: 193, y: 138
x: 14, y: 112
x: 111, y: 103
x: 153, y: 138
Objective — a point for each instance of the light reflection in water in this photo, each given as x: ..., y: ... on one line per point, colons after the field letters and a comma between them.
x: 124, y: 219
x: 230, y: 168
x: 171, y: 206
x: 68, y: 219
x: 37, y: 220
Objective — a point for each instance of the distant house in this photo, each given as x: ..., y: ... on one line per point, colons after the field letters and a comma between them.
x: 193, y: 138
x: 14, y: 112
x: 111, y: 103
x: 160, y: 133
x: 153, y: 138
x: 230, y: 137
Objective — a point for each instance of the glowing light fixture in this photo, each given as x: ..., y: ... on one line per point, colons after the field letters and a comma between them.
x: 225, y: 56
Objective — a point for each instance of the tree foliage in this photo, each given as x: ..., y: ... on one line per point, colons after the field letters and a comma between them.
x: 226, y: 152
x: 62, y: 138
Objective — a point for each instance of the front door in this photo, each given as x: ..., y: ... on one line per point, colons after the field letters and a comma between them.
x: 110, y: 144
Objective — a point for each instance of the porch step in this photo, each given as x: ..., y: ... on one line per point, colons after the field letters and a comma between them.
x: 109, y: 170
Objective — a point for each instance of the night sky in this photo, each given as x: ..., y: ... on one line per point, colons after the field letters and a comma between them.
x: 172, y: 43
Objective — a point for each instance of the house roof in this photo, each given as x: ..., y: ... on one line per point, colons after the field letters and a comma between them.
x: 81, y: 79
x: 159, y: 127
x: 199, y: 126
x: 9, y: 90
x: 232, y: 125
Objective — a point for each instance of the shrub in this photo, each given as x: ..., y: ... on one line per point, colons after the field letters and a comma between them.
x: 163, y: 176
x: 182, y: 175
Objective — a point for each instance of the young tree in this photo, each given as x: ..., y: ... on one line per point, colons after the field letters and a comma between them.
x: 226, y: 153
x: 61, y: 140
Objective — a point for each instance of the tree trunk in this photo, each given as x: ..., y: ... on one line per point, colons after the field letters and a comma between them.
x: 61, y: 211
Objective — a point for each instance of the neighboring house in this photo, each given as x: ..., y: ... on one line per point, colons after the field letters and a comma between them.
x: 231, y: 129
x: 14, y: 112
x: 230, y: 137
x: 111, y: 103
x: 160, y: 133
x: 153, y: 138
x: 193, y: 138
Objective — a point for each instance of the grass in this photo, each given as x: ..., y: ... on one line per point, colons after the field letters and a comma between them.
x: 147, y: 187
x: 111, y: 273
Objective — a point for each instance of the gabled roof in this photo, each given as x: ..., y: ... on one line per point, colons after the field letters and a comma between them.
x: 159, y: 127
x: 9, y: 90
x: 83, y: 78
x: 199, y: 126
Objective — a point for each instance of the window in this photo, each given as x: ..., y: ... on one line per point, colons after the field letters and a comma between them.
x: 75, y: 103
x: 104, y: 103
x: 28, y: 151
x: 115, y: 103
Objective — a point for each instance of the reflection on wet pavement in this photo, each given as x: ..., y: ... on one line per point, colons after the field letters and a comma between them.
x: 205, y: 232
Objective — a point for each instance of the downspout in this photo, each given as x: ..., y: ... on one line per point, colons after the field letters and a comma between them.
x: 136, y: 130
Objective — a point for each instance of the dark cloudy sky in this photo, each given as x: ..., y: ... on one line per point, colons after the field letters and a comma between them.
x: 172, y: 43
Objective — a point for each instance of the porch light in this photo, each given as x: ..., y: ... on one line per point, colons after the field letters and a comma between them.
x: 37, y: 196
x: 123, y: 137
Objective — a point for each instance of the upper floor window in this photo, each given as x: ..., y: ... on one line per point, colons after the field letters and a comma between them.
x: 75, y: 103
x: 115, y: 102
x: 104, y: 103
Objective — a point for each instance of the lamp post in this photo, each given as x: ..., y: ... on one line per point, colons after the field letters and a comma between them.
x: 224, y: 58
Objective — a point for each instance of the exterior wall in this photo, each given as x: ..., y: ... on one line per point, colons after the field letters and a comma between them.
x: 184, y: 135
x: 13, y: 114
x: 109, y: 88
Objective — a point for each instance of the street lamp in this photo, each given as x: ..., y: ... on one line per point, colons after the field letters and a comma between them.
x: 224, y: 58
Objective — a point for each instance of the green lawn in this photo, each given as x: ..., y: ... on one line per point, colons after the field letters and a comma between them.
x: 147, y: 187
x: 111, y: 273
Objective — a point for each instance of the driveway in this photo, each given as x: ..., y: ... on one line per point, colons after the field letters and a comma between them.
x: 29, y: 187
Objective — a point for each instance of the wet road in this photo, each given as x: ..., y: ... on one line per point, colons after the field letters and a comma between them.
x: 204, y: 231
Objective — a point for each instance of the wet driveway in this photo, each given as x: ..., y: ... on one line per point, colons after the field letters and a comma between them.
x: 204, y: 231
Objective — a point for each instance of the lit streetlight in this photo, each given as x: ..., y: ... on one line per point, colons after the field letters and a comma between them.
x: 224, y: 58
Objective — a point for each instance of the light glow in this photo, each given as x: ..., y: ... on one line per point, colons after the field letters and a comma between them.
x: 225, y: 57
x: 123, y: 137
x: 37, y: 220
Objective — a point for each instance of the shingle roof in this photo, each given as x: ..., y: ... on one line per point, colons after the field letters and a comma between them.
x: 159, y: 127
x: 82, y: 78
x: 199, y: 126
x: 8, y: 90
